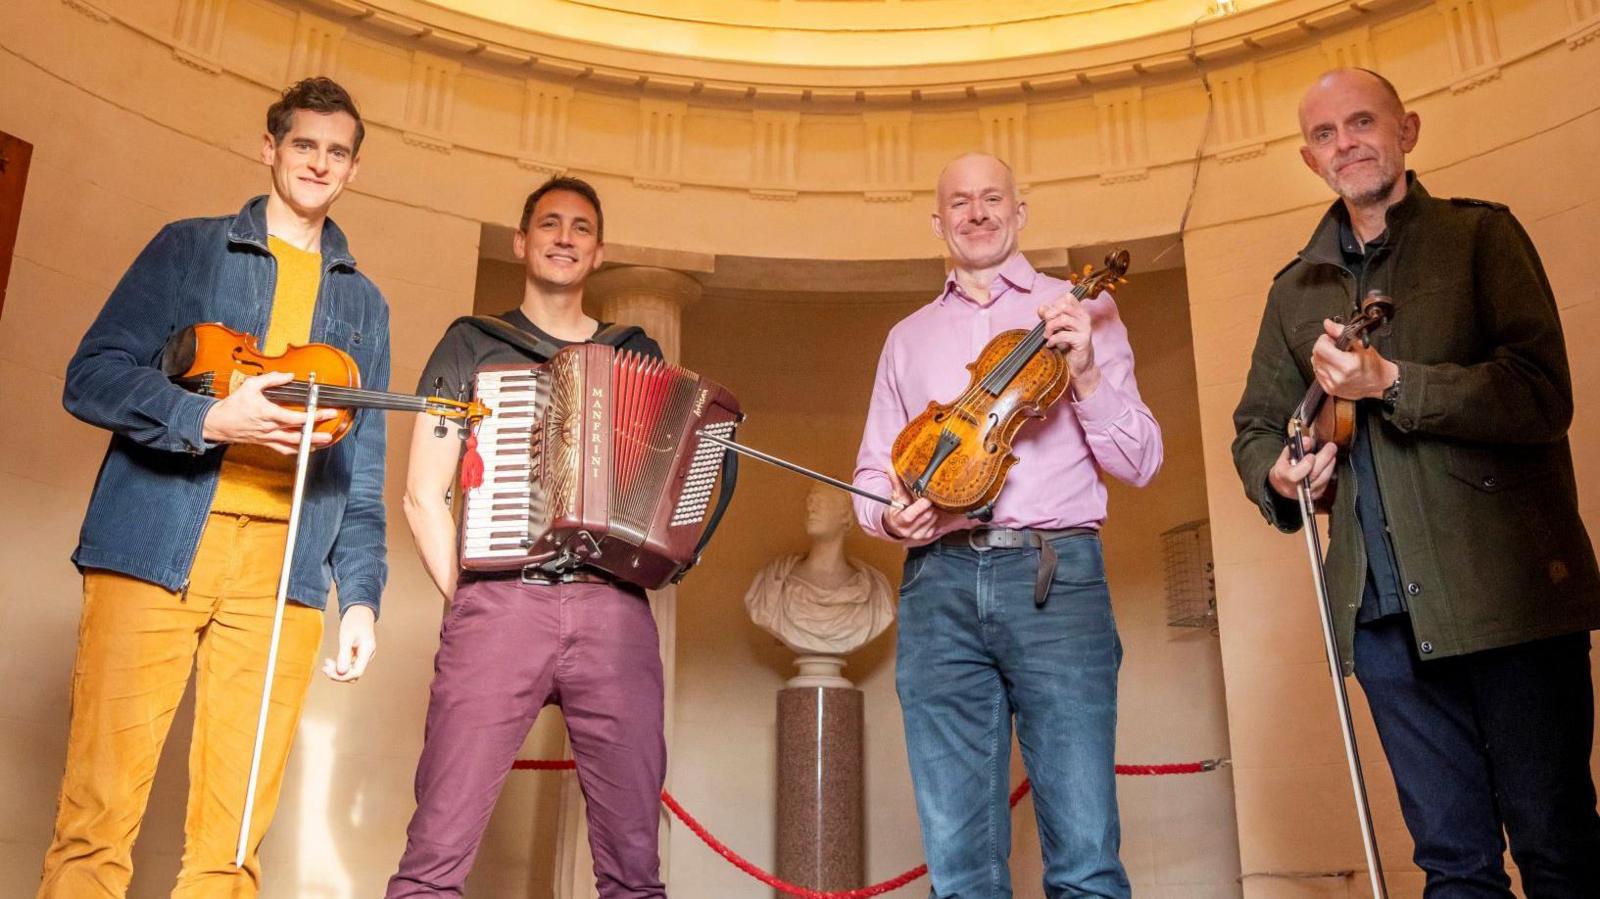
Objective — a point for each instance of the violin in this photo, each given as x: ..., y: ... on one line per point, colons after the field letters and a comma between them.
x: 212, y: 359
x: 957, y: 454
x: 1335, y: 422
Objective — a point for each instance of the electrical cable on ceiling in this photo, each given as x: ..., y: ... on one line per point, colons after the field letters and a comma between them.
x: 1205, y: 131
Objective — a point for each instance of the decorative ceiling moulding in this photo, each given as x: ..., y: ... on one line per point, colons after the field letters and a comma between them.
x: 316, y: 48
x: 1350, y: 49
x: 1271, y: 26
x: 1585, y: 17
x: 1474, y: 44
x: 1239, y: 117
x: 545, y: 112
x: 197, y: 34
x: 428, y: 123
x: 430, y: 101
x: 88, y: 8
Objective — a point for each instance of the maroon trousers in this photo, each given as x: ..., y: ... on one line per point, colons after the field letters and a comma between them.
x: 506, y: 650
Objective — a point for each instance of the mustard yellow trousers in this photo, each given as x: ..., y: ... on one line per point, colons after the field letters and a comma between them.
x: 137, y: 643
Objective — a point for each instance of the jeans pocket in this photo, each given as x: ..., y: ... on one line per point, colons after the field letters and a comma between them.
x: 916, y: 563
x: 1080, y: 561
x: 457, y: 607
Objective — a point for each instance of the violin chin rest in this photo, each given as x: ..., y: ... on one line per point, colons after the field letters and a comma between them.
x: 177, y: 357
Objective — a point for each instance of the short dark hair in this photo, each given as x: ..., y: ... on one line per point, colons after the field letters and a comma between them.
x: 318, y: 94
x: 572, y: 185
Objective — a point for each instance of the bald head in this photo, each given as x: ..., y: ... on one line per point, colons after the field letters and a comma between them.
x: 970, y: 166
x: 978, y: 212
x: 1378, y: 90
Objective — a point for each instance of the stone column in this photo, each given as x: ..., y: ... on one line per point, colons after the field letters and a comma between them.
x: 654, y: 299
x: 821, y: 837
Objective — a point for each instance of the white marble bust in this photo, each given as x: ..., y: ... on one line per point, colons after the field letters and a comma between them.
x: 821, y: 601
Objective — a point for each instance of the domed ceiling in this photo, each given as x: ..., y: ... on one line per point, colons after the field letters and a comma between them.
x: 843, y: 33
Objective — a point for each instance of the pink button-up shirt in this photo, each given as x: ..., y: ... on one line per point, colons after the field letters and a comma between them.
x: 1056, y: 481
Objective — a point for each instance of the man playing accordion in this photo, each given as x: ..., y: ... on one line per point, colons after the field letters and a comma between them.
x: 514, y: 641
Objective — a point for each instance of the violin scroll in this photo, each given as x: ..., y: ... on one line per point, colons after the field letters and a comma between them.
x: 1092, y: 281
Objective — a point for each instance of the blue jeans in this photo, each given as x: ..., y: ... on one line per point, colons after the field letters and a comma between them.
x: 973, y: 651
x: 1492, y: 740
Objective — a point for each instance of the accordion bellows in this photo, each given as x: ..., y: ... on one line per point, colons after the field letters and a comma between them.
x: 594, y: 459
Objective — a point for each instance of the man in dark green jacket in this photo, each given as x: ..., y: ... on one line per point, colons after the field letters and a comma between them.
x: 1462, y: 581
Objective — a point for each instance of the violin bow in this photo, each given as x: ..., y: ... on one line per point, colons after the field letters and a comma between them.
x: 798, y: 469
x: 301, y: 464
x: 1299, y: 430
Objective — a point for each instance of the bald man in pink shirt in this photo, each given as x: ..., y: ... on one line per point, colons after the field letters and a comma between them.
x: 1012, y: 617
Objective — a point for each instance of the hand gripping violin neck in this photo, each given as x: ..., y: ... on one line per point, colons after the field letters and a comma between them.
x: 1327, y: 419
x: 957, y: 454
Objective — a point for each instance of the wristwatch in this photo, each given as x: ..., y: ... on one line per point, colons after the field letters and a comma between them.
x: 1391, y: 394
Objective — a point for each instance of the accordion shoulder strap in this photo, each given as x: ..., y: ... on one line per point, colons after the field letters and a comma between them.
x: 538, y: 347
x: 542, y: 348
x: 615, y: 334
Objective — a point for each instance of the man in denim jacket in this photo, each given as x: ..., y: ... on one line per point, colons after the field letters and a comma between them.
x: 182, y: 546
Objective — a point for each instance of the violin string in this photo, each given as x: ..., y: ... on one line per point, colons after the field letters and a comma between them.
x: 337, y: 394
x: 1013, y: 363
x: 299, y: 391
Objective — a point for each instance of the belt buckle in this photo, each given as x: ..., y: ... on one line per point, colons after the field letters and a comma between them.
x: 977, y: 547
x: 531, y: 575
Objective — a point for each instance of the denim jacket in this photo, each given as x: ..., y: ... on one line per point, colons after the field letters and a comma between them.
x: 159, y: 475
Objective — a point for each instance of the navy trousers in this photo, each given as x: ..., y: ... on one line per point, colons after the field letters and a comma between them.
x: 1484, y: 746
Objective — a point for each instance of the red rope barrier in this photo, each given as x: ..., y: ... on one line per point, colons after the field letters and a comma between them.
x: 543, y: 765
x: 1124, y: 770
x: 1172, y: 768
x: 867, y: 892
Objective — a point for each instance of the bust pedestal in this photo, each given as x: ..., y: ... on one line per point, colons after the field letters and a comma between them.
x: 820, y: 830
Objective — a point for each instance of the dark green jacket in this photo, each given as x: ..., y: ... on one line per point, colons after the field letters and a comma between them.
x: 1473, y: 462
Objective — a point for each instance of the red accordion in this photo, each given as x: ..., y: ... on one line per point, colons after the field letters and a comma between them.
x: 595, y: 459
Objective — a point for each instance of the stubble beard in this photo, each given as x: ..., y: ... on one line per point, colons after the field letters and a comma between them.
x: 1358, y: 196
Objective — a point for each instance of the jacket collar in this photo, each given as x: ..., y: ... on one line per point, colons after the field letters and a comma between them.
x: 1324, y: 249
x: 250, y: 227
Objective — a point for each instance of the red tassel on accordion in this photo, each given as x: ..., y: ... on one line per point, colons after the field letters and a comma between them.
x: 471, y: 463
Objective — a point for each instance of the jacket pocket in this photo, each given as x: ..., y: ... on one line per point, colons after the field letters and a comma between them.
x: 349, y: 338
x: 1493, y: 470
x: 1302, y: 338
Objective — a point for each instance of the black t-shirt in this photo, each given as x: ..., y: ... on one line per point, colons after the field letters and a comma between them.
x: 464, y: 349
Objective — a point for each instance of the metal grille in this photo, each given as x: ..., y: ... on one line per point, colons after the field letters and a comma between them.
x: 1191, y: 580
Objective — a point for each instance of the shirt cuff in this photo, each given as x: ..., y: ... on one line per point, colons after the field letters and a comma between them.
x: 1102, y: 407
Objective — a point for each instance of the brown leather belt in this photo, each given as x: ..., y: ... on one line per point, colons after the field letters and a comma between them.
x: 985, y: 538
